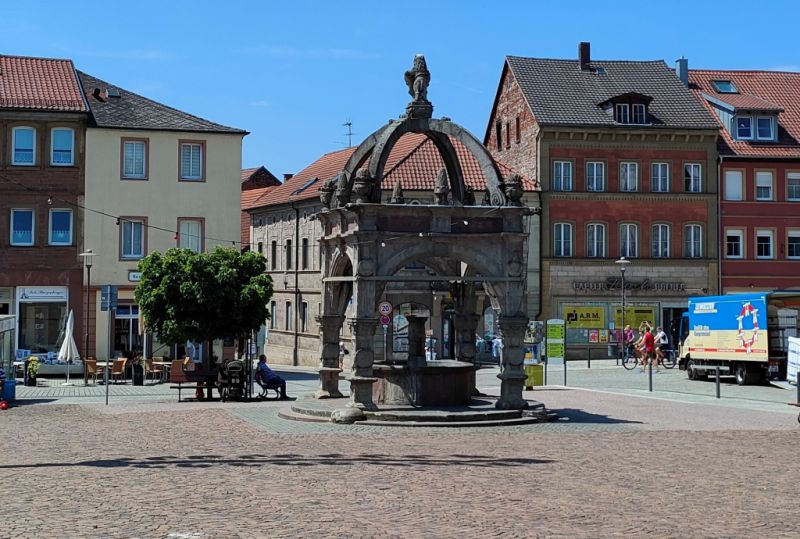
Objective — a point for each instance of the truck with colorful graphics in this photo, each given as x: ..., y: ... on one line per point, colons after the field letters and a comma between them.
x: 744, y: 335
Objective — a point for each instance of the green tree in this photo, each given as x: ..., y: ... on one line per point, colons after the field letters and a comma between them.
x: 189, y: 296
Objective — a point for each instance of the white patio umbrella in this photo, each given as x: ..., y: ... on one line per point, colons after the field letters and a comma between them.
x: 69, y: 351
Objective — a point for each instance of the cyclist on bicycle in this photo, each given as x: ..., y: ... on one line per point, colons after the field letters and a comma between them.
x: 628, y: 338
x: 662, y: 341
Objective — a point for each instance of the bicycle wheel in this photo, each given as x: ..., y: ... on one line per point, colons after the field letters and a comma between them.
x: 669, y: 359
x: 629, y: 361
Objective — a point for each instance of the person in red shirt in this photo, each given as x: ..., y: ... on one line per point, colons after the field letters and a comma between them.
x: 648, y: 341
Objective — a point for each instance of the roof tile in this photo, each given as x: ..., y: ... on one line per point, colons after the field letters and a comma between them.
x: 777, y: 88
x: 39, y: 84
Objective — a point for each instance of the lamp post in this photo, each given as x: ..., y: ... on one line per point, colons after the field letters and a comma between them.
x: 623, y: 264
x: 87, y: 261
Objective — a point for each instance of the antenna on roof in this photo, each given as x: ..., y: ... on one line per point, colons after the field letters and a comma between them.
x: 349, y: 125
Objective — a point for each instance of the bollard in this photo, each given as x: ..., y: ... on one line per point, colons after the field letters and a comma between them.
x: 589, y: 358
x: 717, y: 379
x: 545, y: 371
x: 565, y: 371
x: 797, y: 385
x: 650, y: 374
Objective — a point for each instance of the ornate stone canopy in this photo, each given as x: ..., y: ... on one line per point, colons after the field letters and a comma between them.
x: 366, y: 244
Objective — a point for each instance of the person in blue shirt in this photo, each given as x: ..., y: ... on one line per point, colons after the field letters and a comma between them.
x: 265, y: 375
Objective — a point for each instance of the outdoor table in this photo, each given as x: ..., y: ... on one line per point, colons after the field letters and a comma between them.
x: 165, y: 368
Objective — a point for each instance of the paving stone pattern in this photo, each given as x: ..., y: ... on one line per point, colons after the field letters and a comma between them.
x: 616, y: 464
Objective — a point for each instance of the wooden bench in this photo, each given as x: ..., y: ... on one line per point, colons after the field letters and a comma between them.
x: 182, y: 380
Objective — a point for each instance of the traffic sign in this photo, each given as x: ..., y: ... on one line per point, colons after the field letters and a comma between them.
x: 385, y: 320
x: 384, y: 308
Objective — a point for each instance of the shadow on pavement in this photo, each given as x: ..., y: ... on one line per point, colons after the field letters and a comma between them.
x: 331, y: 459
x: 22, y: 401
x: 574, y: 415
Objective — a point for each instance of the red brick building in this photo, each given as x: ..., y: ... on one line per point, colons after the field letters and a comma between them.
x: 759, y: 159
x: 42, y: 136
x: 626, y: 160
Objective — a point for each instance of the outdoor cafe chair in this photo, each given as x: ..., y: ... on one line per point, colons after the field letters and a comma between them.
x: 118, y: 369
x: 91, y: 368
x: 151, y: 368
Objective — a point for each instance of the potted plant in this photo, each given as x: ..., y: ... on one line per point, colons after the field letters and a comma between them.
x: 33, y: 370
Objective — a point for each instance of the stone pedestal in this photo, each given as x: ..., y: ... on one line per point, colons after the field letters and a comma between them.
x: 330, y: 326
x: 466, y: 324
x: 361, y: 381
x: 512, y: 375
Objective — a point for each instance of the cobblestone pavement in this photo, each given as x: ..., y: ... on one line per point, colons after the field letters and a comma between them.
x: 616, y: 464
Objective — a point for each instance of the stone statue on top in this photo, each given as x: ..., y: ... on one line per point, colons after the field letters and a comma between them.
x: 417, y: 79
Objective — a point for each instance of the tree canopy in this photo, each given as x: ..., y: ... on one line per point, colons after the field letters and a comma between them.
x: 189, y: 296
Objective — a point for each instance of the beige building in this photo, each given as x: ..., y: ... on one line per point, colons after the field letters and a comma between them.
x: 284, y: 229
x: 156, y: 178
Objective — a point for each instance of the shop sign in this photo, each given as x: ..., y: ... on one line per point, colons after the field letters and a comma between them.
x: 585, y: 317
x: 612, y: 284
x: 634, y: 316
x: 134, y: 276
x: 29, y: 294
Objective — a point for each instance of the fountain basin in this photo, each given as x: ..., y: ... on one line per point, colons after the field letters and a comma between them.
x: 432, y: 383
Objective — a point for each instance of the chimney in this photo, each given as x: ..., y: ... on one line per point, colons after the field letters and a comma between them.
x: 287, y: 177
x: 682, y: 70
x: 584, y: 56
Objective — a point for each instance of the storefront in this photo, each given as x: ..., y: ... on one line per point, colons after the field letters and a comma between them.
x: 42, y: 315
x: 590, y: 302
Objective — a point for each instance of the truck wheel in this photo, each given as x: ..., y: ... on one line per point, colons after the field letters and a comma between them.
x: 742, y: 374
x: 692, y: 372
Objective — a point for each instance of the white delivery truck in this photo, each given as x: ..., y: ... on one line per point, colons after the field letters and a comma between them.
x: 745, y: 335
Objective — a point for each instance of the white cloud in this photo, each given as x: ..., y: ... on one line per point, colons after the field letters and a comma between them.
x: 789, y: 67
x: 294, y: 52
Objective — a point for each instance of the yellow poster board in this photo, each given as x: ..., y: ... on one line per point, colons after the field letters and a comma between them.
x: 585, y: 317
x: 634, y: 316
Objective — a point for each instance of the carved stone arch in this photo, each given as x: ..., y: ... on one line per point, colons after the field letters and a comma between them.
x: 339, y: 292
x: 424, y: 251
x: 473, y: 145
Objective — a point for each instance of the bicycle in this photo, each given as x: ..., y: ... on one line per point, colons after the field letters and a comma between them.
x: 629, y: 359
x: 669, y: 360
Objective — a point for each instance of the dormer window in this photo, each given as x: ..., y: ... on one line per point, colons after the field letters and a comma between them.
x: 628, y: 109
x: 755, y: 127
x: 724, y: 87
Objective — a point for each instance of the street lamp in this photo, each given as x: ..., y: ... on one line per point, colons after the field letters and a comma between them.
x: 623, y: 264
x: 87, y: 261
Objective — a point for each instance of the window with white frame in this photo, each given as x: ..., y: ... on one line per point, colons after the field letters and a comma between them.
x: 596, y: 240
x: 764, y: 128
x: 62, y: 142
x: 562, y: 239
x: 693, y: 241
x: 562, y: 176
x: 191, y: 161
x: 764, y: 184
x: 191, y: 234
x: 289, y: 316
x: 22, y: 227
x: 793, y: 186
x: 595, y: 176
x: 628, y: 176
x: 60, y: 227
x: 793, y: 244
x: 660, y: 241
x: 629, y: 240
x: 764, y: 244
x: 24, y: 146
x: 734, y: 243
x: 659, y: 177
x: 692, y: 178
x: 134, y: 159
x: 734, y: 189
x: 132, y: 239
x: 744, y: 127
x: 623, y: 113
x: 639, y: 113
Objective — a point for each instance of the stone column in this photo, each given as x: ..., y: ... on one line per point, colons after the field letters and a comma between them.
x: 361, y: 380
x: 512, y: 375
x: 466, y: 324
x: 329, y: 327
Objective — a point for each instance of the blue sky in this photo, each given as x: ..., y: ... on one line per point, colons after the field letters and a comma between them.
x: 292, y: 73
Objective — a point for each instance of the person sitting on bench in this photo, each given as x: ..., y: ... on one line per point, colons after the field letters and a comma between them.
x: 267, y: 378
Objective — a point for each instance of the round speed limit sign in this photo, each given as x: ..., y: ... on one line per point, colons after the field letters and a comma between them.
x: 384, y: 308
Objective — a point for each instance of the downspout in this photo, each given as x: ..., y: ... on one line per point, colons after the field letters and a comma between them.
x: 720, y: 238
x: 296, y: 282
